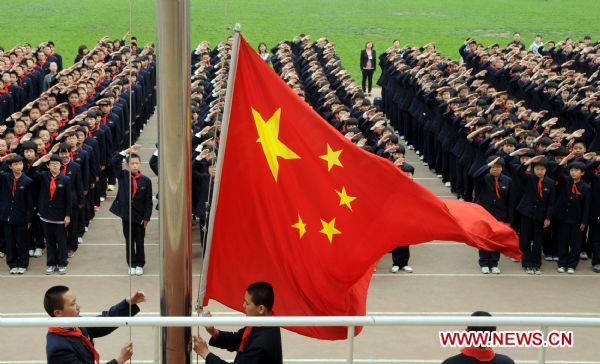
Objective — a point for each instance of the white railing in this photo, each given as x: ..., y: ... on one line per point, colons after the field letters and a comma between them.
x: 544, y: 323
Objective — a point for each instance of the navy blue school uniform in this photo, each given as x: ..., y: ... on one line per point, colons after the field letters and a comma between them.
x: 262, y: 346
x: 63, y: 349
x: 52, y: 212
x: 535, y: 206
x: 494, y: 195
x: 73, y: 171
x: 572, y: 210
x: 141, y: 209
x: 16, y: 207
x: 593, y: 177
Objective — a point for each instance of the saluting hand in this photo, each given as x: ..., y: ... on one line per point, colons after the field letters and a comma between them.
x: 137, y: 297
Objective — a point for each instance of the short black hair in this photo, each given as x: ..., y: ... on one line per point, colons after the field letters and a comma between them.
x: 499, y: 162
x: 53, y: 299
x: 577, y: 165
x: 262, y: 294
x: 407, y: 168
x: 133, y: 155
x: 481, y: 328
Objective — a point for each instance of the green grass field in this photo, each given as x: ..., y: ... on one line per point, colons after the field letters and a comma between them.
x: 349, y: 23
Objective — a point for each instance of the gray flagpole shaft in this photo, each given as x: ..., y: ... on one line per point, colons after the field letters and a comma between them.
x: 220, y: 157
x: 173, y: 47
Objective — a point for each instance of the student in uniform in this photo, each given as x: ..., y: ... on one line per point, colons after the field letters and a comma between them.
x: 401, y: 254
x: 572, y: 213
x: 72, y: 170
x: 536, y: 208
x: 493, y: 191
x: 16, y: 206
x: 55, y: 209
x: 135, y: 190
x: 252, y: 344
x: 76, y: 344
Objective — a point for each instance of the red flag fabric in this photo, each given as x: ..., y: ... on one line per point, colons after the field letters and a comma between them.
x: 303, y: 208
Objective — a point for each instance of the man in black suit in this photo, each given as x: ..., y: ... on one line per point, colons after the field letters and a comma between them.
x: 135, y: 190
x: 16, y: 206
x: 253, y: 344
x: 76, y: 344
x: 55, y: 209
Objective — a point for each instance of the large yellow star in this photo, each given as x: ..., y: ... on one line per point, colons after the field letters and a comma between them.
x: 301, y: 226
x: 345, y: 199
x: 332, y: 157
x: 268, y: 137
x: 329, y: 229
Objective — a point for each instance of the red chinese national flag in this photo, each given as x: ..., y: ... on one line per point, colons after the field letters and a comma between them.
x: 303, y: 208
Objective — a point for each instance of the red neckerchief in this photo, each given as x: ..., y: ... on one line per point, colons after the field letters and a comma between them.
x: 4, y: 90
x: 73, y: 154
x: 53, y: 136
x: 76, y: 332
x: 135, y: 184
x: 52, y: 186
x: 14, y: 186
x: 539, y: 188
x: 483, y: 355
x: 245, y: 336
x: 575, y: 190
x: 61, y: 123
x: 49, y: 144
x: 2, y: 154
x: 104, y: 119
x: 497, y: 186
x: 19, y: 137
x: 42, y: 64
x: 64, y: 168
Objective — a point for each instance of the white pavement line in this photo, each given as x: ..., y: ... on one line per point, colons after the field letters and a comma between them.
x: 115, y: 218
x: 369, y: 313
x: 585, y: 275
x: 123, y: 244
x: 443, y: 275
x: 75, y: 276
x: 407, y: 361
x: 425, y: 178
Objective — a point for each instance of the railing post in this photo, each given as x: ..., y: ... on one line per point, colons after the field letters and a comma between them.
x: 350, y: 359
x: 542, y: 352
x: 156, y: 330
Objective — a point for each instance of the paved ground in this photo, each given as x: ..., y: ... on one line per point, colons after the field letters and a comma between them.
x: 446, y: 281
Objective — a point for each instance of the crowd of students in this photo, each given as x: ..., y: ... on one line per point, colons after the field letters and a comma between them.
x: 513, y: 130
x: 61, y: 136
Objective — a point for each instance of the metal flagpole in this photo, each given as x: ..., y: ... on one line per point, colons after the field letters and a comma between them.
x: 174, y: 135
x: 220, y: 157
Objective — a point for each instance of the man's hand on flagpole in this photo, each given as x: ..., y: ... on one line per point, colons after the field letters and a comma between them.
x: 201, y: 347
x: 210, y: 329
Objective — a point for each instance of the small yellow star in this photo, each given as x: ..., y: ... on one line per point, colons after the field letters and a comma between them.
x: 268, y: 137
x: 332, y: 157
x: 301, y: 226
x: 329, y: 229
x: 345, y: 199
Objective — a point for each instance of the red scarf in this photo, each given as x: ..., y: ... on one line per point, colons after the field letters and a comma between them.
x: 53, y: 136
x: 76, y: 332
x: 135, y: 184
x: 540, y: 189
x: 245, y: 336
x: 73, y: 155
x: 482, y: 354
x: 575, y: 190
x: 14, y: 186
x: 52, y: 186
x: 64, y: 169
x: 497, y: 185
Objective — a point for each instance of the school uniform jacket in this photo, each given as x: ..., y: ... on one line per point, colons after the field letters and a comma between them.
x: 262, y: 347
x: 62, y: 349
x: 497, y: 202
x: 573, y: 203
x: 60, y: 206
x: 532, y: 204
x: 142, y: 202
x: 17, y: 209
